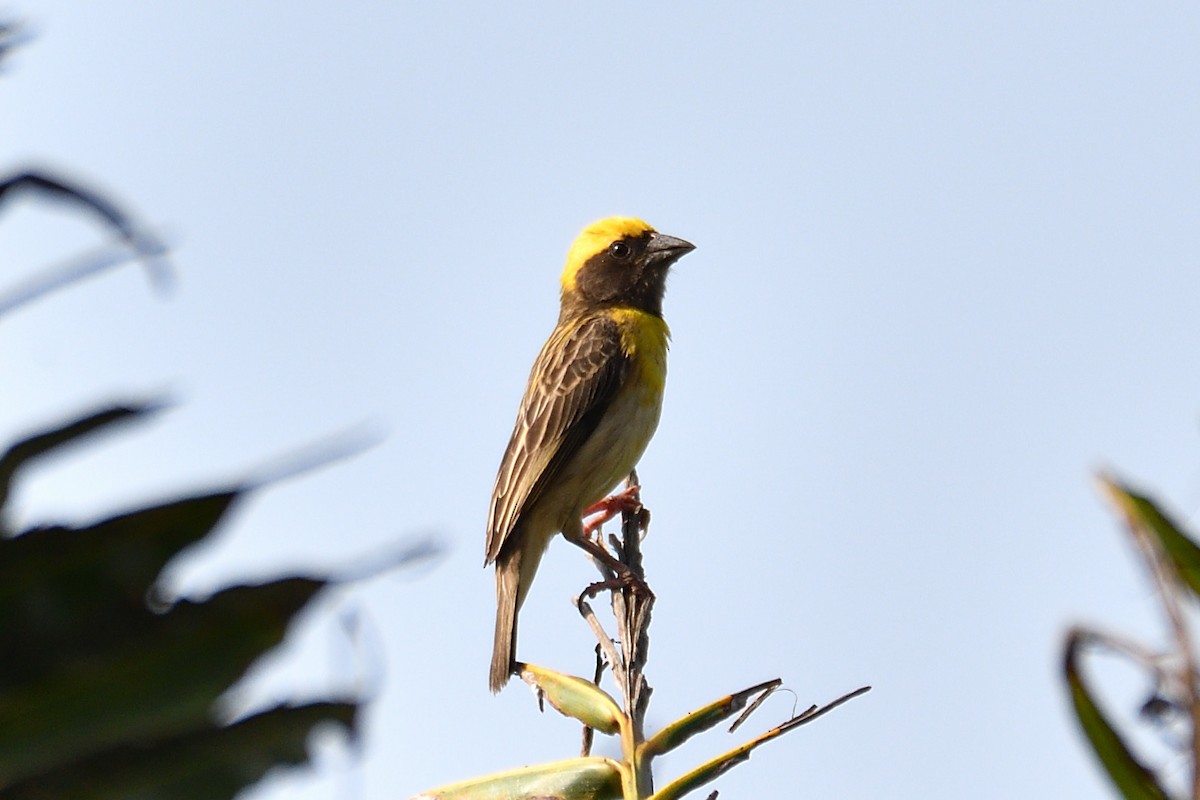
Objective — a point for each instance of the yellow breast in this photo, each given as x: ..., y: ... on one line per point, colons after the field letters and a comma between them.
x: 618, y: 442
x: 644, y: 338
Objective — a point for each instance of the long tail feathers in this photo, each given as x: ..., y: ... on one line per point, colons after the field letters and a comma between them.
x: 508, y: 579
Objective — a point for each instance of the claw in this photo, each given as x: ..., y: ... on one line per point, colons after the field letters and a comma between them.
x: 624, y: 579
x: 629, y: 499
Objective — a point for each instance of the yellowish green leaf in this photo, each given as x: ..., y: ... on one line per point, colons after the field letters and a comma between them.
x: 1134, y: 780
x: 574, y: 779
x: 1141, y: 512
x: 575, y: 697
x: 702, y: 719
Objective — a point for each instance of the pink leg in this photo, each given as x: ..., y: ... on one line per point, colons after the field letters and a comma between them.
x: 629, y: 499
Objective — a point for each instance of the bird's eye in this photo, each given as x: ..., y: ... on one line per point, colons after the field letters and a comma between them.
x: 620, y: 249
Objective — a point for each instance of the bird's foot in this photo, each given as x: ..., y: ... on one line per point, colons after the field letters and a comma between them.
x: 624, y: 579
x: 622, y: 576
x: 628, y: 499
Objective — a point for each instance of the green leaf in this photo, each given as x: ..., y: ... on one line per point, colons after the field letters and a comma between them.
x: 163, y: 684
x: 66, y: 593
x: 1134, y: 780
x: 205, y: 764
x: 574, y: 779
x: 702, y: 719
x: 1142, y: 513
x: 575, y: 697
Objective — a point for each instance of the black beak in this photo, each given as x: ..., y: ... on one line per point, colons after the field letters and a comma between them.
x: 667, y: 248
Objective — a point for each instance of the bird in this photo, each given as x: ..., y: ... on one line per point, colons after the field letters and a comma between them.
x: 590, y: 407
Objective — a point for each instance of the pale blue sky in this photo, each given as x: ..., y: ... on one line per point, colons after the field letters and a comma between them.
x: 946, y: 268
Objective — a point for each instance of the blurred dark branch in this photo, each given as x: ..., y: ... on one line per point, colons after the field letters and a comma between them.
x: 143, y: 244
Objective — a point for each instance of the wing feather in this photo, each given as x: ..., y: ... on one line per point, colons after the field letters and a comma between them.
x: 573, y: 381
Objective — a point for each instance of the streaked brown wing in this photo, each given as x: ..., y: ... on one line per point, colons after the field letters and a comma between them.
x: 573, y: 381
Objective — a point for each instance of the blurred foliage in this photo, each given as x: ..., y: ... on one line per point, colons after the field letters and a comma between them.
x: 12, y: 35
x: 105, y: 693
x: 1173, y: 560
x: 106, y: 689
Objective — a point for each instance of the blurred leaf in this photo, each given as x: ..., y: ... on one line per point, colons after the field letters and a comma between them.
x: 575, y: 697
x: 27, y: 449
x: 206, y: 764
x: 1134, y: 780
x: 100, y: 696
x: 148, y: 246
x: 1142, y: 513
x: 65, y: 593
x: 574, y: 779
x: 162, y: 684
x: 702, y: 719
